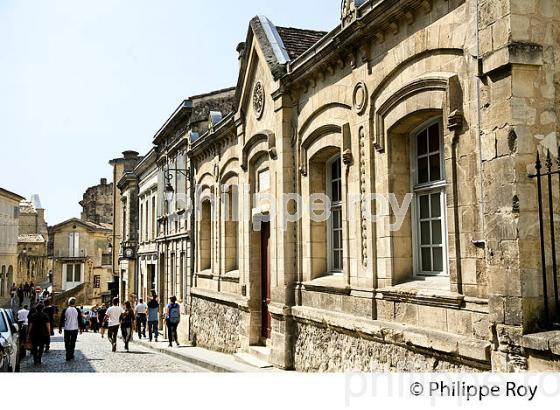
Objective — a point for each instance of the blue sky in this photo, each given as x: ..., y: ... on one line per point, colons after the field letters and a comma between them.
x: 82, y: 81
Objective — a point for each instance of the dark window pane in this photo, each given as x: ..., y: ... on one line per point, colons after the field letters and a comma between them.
x: 425, y: 233
x: 337, y: 239
x: 435, y: 171
x: 424, y: 207
x: 337, y: 260
x: 422, y: 143
x: 336, y: 188
x: 69, y: 273
x: 436, y: 233
x: 336, y: 218
x: 423, y: 171
x: 335, y: 169
x: 436, y: 205
x: 434, y: 138
x: 77, y: 273
x: 438, y: 259
x: 426, y: 260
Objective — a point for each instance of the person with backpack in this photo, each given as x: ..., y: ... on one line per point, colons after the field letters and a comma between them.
x: 153, y: 317
x: 172, y: 318
x: 72, y: 322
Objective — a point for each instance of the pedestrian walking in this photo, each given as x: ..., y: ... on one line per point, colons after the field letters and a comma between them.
x: 71, y: 321
x: 113, y: 316
x: 172, y: 318
x: 39, y: 332
x: 50, y: 276
x: 153, y: 317
x: 103, y: 324
x: 13, y: 295
x: 31, y: 291
x: 94, y: 323
x: 141, y: 309
x: 26, y: 290
x: 50, y: 311
x: 127, y: 324
x: 20, y: 295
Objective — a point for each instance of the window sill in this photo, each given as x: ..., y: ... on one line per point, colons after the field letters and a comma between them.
x: 232, y: 276
x: 205, y: 274
x: 548, y: 342
x: 328, y: 284
x: 430, y: 291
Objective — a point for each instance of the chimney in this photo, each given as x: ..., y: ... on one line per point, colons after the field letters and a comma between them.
x: 103, y: 181
x: 241, y: 50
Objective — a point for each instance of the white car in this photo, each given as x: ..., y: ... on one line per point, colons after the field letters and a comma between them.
x: 9, y: 338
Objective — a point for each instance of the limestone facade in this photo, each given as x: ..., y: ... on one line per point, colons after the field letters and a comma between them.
x: 447, y: 100
x: 81, y: 260
x: 9, y: 228
x: 147, y: 174
x: 97, y: 203
x: 120, y: 166
x: 32, y: 242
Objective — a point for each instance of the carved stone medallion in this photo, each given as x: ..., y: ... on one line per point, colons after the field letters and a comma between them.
x: 360, y: 98
x: 258, y: 100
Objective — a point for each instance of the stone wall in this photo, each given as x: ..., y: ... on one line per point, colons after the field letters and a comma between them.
x: 215, y: 326
x: 321, y: 349
x: 97, y: 204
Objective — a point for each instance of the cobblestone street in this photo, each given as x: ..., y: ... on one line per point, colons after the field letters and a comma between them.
x: 93, y: 355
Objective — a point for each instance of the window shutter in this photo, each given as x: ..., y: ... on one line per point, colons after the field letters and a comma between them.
x: 71, y: 244
x: 76, y: 244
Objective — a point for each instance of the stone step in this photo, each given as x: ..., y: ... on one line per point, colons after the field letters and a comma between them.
x: 252, y: 360
x: 260, y: 352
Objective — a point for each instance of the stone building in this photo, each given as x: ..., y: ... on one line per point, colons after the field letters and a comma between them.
x: 173, y: 236
x: 404, y: 138
x: 82, y: 262
x: 32, y: 242
x: 9, y: 217
x: 97, y: 203
x: 129, y: 207
x: 147, y: 174
x: 120, y: 166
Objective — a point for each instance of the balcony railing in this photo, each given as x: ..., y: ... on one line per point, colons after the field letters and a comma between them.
x: 66, y: 253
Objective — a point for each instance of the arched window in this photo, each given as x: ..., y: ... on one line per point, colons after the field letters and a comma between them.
x: 205, y: 236
x: 429, y: 205
x: 231, y: 229
x: 334, y: 226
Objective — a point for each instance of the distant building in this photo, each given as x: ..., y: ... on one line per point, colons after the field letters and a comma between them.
x: 121, y: 166
x: 9, y: 216
x: 128, y: 191
x: 147, y: 173
x: 97, y: 203
x: 32, y: 242
x: 82, y: 263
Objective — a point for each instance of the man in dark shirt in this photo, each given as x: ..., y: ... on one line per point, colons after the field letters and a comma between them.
x: 50, y: 311
x: 39, y: 333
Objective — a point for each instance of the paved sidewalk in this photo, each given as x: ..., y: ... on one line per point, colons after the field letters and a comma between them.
x: 207, y: 359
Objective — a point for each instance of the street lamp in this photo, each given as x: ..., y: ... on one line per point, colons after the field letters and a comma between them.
x: 169, y: 192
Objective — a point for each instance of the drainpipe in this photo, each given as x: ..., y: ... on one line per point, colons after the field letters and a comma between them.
x: 192, y: 244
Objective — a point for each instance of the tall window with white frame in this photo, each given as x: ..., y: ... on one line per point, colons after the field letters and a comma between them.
x: 334, y: 226
x: 429, y: 206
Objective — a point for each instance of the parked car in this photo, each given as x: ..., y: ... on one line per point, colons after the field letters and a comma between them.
x: 4, y: 358
x: 9, y: 339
